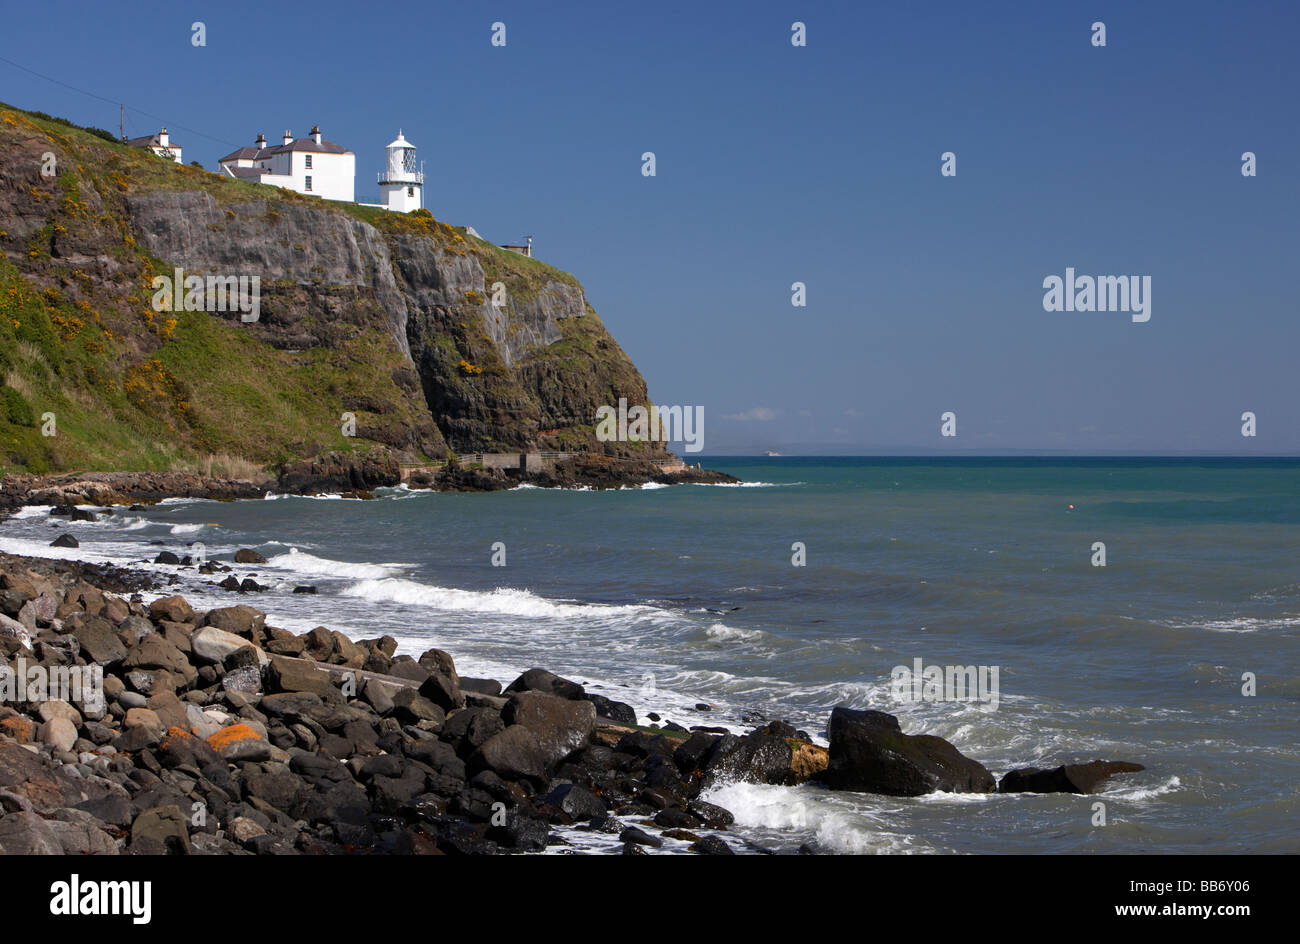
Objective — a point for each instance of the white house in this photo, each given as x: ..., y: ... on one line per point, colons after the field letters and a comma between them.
x: 401, y: 182
x: 160, y: 143
x: 309, y: 165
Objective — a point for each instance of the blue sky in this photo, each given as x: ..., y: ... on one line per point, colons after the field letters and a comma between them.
x: 820, y: 164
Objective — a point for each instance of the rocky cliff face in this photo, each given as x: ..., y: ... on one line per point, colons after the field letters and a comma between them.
x: 430, y: 339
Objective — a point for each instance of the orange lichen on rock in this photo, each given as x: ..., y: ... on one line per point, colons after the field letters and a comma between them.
x: 228, y: 736
x: 20, y: 729
x: 176, y: 732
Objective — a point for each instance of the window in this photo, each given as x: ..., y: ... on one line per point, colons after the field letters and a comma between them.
x: 410, y: 191
x: 309, y: 183
x: 308, y: 164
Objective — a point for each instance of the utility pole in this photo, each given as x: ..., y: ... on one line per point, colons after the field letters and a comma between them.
x: 121, y: 124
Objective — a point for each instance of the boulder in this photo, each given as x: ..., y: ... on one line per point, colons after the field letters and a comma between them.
x: 560, y: 726
x: 59, y: 733
x: 1068, y: 778
x: 143, y: 718
x: 577, y: 802
x: 540, y: 680
x: 409, y: 706
x: 174, y: 608
x: 442, y: 690
x: 870, y: 753
x: 613, y: 710
x: 98, y: 641
x: 155, y: 652
x: 480, y: 686
x: 211, y: 644
x: 248, y: 556
x: 65, y: 540
x: 58, y: 708
x: 239, y: 620
x: 513, y: 754
x: 239, y: 742
x: 297, y: 675
x: 162, y: 829
x: 26, y: 833
x: 439, y: 660
x: 319, y: 643
x: 755, y: 758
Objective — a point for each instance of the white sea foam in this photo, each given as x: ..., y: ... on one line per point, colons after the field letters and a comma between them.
x: 720, y: 632
x: 746, y: 484
x: 503, y: 600
x: 301, y: 563
x: 807, y: 813
x: 525, y: 486
x: 1144, y: 793
x: 1240, y: 624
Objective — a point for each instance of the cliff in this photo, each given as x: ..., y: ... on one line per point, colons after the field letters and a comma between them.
x: 388, y: 317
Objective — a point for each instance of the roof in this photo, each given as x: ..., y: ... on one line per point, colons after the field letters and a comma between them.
x: 306, y: 144
x: 247, y: 173
x: 401, y: 142
x: 243, y: 154
x: 301, y: 145
x: 149, y: 140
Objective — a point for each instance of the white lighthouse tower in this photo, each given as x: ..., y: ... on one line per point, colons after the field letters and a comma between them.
x: 401, y: 183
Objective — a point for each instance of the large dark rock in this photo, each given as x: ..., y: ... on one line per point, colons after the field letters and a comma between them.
x: 1068, y: 778
x: 442, y: 690
x: 513, y: 754
x: 755, y: 758
x: 468, y: 728
x: 560, y: 726
x: 339, y: 472
x: 540, y: 680
x: 869, y: 752
x: 99, y: 642
x: 618, y: 711
x: 578, y: 803
x: 297, y: 675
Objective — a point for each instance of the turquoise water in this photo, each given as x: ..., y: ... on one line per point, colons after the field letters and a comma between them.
x: 665, y: 597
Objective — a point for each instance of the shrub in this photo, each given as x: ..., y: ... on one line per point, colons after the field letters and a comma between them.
x: 16, y: 409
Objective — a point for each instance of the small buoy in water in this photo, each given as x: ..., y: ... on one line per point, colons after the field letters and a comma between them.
x: 1071, y: 507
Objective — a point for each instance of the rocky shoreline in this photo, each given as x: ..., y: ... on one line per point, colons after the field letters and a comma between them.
x: 216, y: 733
x: 354, y: 475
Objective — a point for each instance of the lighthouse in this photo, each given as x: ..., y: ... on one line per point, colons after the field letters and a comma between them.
x: 401, y: 183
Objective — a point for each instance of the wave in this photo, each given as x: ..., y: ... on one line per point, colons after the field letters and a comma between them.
x: 720, y: 632
x: 187, y: 528
x: 302, y: 563
x: 746, y: 484
x: 525, y: 486
x: 1239, y: 624
x: 1146, y: 793
x: 503, y: 600
x: 835, y: 824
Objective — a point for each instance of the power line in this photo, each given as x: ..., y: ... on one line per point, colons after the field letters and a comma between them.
x: 101, y: 98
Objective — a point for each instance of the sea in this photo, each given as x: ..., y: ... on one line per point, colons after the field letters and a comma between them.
x: 1145, y: 610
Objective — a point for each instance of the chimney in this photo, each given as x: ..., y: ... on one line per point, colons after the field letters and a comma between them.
x: 288, y: 138
x: 162, y: 138
x: 315, y: 133
x: 260, y: 143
